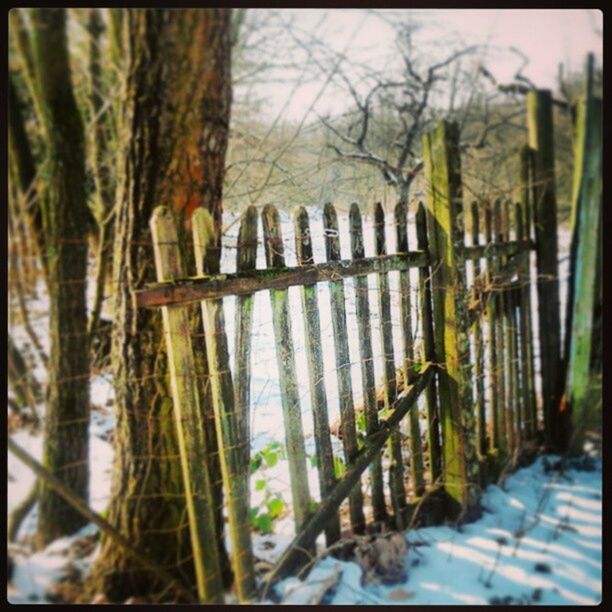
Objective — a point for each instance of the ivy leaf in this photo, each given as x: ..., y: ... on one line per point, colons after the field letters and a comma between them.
x: 260, y: 485
x: 314, y: 461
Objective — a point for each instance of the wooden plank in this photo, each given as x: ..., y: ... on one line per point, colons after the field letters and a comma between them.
x: 428, y: 351
x: 188, y: 416
x: 229, y: 423
x: 76, y: 501
x: 314, y: 353
x: 283, y: 335
x: 396, y: 469
x: 362, y: 304
x: 500, y: 365
x: 526, y: 203
x: 479, y: 372
x: 294, y: 557
x: 527, y: 385
x: 491, y: 316
x: 509, y: 348
x: 194, y: 289
x: 588, y: 216
x: 541, y: 142
x: 414, y: 430
x: 444, y: 202
x: 246, y: 257
x: 343, y: 365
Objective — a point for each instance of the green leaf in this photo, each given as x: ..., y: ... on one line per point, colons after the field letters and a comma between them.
x: 260, y: 485
x: 417, y: 367
x: 361, y: 422
x: 263, y: 523
x: 314, y: 461
x: 275, y: 507
x: 253, y: 512
x: 271, y: 458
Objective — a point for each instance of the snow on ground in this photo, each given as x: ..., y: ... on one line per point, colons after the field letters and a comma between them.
x: 431, y: 565
x: 538, y: 541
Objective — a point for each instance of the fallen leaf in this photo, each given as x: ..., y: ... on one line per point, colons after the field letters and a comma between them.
x: 400, y: 594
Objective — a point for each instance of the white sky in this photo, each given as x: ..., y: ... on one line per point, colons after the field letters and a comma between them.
x: 546, y: 36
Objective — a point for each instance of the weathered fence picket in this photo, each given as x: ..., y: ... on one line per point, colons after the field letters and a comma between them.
x: 314, y: 355
x: 527, y: 365
x: 541, y: 141
x: 229, y: 423
x: 479, y: 371
x: 508, y: 332
x: 414, y: 429
x: 343, y: 365
x: 500, y: 337
x: 396, y: 470
x: 283, y: 335
x: 370, y: 409
x: 190, y: 433
x: 428, y: 351
x: 246, y: 259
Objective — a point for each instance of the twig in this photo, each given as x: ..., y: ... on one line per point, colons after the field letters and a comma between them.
x: 76, y: 502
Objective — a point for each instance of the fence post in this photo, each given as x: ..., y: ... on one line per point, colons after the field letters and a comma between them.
x: 541, y: 142
x: 445, y: 208
x: 587, y: 217
x: 189, y: 426
x: 229, y: 423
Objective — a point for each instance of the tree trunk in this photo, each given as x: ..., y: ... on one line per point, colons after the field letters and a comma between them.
x: 64, y: 220
x: 172, y: 152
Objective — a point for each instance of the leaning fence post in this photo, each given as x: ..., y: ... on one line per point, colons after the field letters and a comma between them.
x: 587, y: 218
x: 232, y: 443
x: 445, y: 207
x: 188, y: 417
x: 541, y: 137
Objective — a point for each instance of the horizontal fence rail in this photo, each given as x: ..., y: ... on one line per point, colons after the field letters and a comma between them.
x: 195, y: 288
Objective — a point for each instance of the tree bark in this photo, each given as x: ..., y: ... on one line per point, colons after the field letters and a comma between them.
x: 64, y: 220
x: 172, y: 152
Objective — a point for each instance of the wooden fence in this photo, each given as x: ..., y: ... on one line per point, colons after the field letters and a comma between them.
x: 474, y: 365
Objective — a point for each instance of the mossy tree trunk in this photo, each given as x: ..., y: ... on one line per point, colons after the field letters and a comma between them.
x: 173, y: 136
x: 65, y: 219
